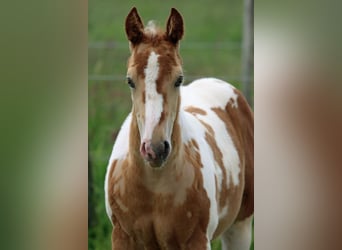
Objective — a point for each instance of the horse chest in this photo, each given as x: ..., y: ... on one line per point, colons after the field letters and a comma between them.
x: 154, y: 220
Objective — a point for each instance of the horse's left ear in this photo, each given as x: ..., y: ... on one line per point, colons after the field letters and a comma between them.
x: 174, y: 27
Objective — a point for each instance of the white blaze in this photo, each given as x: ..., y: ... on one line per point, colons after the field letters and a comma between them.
x: 154, y: 100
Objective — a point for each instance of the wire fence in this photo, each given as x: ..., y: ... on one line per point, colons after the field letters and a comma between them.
x: 187, y: 46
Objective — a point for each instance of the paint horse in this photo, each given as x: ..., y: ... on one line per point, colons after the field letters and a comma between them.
x: 181, y: 170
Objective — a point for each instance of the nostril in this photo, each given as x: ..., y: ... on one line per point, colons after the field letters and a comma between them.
x: 142, y: 148
x: 146, y: 151
x: 166, y: 148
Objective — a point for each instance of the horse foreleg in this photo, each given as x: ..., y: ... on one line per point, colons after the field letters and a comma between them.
x: 238, y: 236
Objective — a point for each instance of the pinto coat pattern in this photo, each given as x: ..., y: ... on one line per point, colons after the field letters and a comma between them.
x: 181, y: 169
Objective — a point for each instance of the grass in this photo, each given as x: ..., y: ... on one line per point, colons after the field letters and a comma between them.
x: 211, y: 47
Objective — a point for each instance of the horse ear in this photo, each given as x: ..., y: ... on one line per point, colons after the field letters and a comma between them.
x: 134, y: 27
x: 174, y: 26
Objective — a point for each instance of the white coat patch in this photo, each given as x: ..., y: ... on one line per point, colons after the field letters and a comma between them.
x: 154, y: 100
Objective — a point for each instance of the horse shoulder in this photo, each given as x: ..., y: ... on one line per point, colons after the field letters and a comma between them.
x: 206, y: 100
x: 193, y: 134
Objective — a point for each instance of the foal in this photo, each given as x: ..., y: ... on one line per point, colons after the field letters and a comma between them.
x: 181, y: 170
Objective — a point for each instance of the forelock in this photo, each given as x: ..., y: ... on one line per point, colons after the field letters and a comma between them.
x: 153, y: 34
x: 151, y: 28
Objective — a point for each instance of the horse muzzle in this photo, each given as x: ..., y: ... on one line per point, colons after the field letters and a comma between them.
x: 155, y: 154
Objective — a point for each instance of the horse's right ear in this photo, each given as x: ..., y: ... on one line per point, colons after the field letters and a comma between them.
x: 134, y: 27
x: 174, y: 26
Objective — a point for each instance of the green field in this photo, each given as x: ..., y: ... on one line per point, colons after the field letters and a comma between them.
x: 211, y: 47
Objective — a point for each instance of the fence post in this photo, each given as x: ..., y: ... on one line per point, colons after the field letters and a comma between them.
x: 248, y: 50
x: 91, y: 201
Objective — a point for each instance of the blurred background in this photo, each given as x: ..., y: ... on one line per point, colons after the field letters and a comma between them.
x: 213, y: 46
x: 44, y: 115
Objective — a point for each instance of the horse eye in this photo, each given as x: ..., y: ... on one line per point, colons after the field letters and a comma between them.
x: 179, y: 81
x: 130, y: 82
